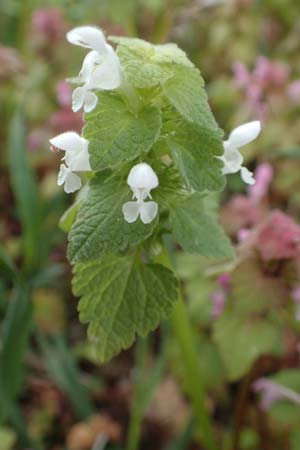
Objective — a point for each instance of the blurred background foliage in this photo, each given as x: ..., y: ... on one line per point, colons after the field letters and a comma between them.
x: 245, y: 315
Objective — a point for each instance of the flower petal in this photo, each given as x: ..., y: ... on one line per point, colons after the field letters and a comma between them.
x: 247, y: 176
x: 107, y: 75
x: 244, y: 134
x: 78, y: 98
x: 69, y: 140
x: 88, y: 37
x: 90, y: 62
x: 90, y: 101
x: 72, y: 183
x: 232, y: 160
x: 142, y: 176
x: 80, y: 162
x: 62, y: 174
x: 131, y: 211
x: 148, y: 211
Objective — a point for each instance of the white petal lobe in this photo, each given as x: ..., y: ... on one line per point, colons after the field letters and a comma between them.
x: 90, y: 101
x: 148, y: 211
x: 78, y: 97
x: 131, y: 211
x: 72, y: 183
x: 247, y: 176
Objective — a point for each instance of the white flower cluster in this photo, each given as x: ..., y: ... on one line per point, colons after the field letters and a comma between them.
x: 232, y: 157
x: 100, y: 68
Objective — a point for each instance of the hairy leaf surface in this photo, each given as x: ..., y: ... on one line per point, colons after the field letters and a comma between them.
x: 100, y: 226
x: 194, y: 150
x: 198, y: 232
x: 117, y: 134
x: 122, y: 297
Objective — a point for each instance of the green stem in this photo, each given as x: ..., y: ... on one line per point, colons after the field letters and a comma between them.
x: 135, y: 423
x: 184, y: 334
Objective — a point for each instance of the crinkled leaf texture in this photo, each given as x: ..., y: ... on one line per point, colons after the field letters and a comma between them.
x: 116, y: 134
x: 122, y: 297
x: 100, y: 227
x: 146, y: 65
x: 242, y: 340
x: 185, y: 91
x: 196, y: 231
x: 194, y: 149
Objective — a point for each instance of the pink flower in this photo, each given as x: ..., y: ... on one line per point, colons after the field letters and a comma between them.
x: 241, y: 212
x: 219, y: 297
x: 268, y: 72
x: 65, y: 120
x: 224, y: 281
x: 241, y: 74
x: 49, y: 23
x: 293, y: 91
x: 273, y: 392
x: 278, y: 237
x: 296, y: 294
x: 242, y: 234
x: 64, y: 94
x: 263, y: 176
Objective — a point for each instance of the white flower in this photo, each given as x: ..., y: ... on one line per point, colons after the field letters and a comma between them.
x: 141, y: 180
x: 76, y: 159
x: 71, y: 181
x: 232, y: 158
x: 100, y: 68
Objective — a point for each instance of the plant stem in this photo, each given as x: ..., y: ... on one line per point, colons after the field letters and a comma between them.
x: 184, y: 334
x: 134, y: 430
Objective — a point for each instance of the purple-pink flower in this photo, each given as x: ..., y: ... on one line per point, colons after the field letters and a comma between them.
x: 272, y: 392
x: 263, y: 176
x: 219, y: 297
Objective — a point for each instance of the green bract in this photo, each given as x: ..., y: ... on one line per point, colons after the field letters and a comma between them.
x: 159, y: 116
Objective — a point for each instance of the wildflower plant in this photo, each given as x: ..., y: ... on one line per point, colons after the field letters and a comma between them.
x: 151, y: 151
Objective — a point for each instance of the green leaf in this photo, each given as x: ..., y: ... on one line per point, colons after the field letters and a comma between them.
x: 196, y: 231
x: 100, y: 227
x: 122, y: 297
x: 241, y: 341
x: 185, y: 91
x: 194, y: 150
x: 116, y: 134
x: 25, y: 190
x: 147, y: 65
x: 256, y: 291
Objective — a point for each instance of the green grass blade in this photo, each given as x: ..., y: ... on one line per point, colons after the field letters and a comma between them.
x: 26, y: 191
x: 63, y: 369
x: 15, y: 334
